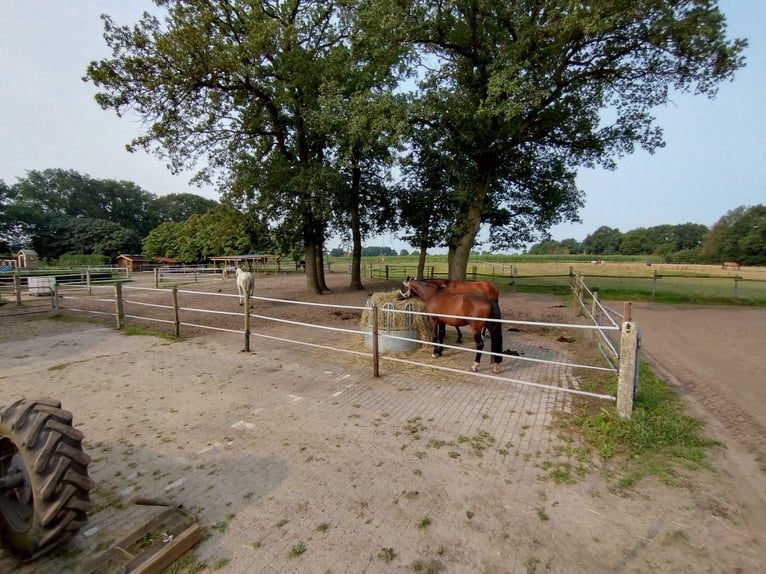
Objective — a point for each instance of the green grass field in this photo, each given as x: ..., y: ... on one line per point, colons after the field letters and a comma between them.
x: 614, y: 280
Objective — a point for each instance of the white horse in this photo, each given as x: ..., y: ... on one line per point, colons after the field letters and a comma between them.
x: 245, y: 284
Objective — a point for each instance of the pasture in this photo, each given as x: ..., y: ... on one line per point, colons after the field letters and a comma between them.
x: 615, y: 280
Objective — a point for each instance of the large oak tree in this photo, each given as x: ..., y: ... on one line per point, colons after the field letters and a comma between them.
x: 523, y: 93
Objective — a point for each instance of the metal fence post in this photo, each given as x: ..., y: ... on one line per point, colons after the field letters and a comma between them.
x: 628, y: 371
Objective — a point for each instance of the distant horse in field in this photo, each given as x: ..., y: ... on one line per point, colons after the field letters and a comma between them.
x: 730, y: 265
x: 486, y: 287
x: 245, y: 284
x: 477, y: 308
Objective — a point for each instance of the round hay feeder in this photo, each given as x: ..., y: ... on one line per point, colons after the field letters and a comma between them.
x: 396, y: 322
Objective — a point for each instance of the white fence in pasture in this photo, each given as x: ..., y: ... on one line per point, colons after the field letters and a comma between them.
x: 186, y: 309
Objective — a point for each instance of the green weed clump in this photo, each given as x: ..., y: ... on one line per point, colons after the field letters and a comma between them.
x: 659, y: 438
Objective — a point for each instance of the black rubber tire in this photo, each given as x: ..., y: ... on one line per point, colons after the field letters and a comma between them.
x: 51, y: 503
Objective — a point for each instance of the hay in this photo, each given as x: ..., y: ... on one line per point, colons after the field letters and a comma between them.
x: 397, y: 321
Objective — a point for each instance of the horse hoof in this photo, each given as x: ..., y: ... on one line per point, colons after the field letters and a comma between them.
x: 496, y: 368
x: 475, y: 367
x: 435, y: 355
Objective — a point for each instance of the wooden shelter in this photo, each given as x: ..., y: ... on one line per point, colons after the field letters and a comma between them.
x: 27, y: 259
x: 133, y: 262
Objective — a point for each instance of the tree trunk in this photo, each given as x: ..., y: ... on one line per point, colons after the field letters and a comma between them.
x: 356, y: 235
x: 310, y: 248
x: 460, y: 246
x: 424, y: 236
x: 320, y: 264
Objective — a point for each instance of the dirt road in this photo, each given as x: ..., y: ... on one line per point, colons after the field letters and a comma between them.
x: 715, y: 357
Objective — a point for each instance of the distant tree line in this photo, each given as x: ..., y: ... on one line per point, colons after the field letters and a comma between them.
x: 740, y: 236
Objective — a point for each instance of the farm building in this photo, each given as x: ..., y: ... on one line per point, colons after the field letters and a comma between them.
x: 27, y: 259
x: 133, y: 262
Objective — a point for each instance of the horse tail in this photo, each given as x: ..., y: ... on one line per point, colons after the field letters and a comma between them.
x: 496, y: 332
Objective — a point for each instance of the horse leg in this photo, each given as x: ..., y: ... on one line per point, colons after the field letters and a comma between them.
x: 439, y: 330
x: 479, y: 340
x: 459, y: 335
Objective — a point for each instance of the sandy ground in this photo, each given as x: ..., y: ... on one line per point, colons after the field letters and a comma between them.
x: 295, y: 459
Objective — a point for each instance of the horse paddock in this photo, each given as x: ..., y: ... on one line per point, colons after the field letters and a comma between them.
x: 298, y: 460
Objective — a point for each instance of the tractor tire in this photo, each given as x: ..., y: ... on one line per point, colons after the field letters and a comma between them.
x: 44, y: 483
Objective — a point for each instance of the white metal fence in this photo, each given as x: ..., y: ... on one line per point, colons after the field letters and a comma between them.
x: 179, y: 309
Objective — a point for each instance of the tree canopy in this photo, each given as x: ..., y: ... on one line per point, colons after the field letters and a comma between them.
x: 513, y: 97
x: 59, y: 212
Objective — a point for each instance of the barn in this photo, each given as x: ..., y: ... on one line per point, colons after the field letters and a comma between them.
x: 133, y: 263
x: 27, y: 259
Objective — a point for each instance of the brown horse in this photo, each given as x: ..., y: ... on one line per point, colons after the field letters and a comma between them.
x: 486, y: 287
x: 475, y: 307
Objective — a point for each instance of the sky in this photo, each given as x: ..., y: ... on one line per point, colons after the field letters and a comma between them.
x: 713, y: 161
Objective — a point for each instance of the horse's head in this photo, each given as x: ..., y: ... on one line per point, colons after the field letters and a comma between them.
x: 404, y: 291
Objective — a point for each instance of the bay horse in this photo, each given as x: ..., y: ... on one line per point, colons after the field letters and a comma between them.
x: 245, y: 284
x: 440, y: 301
x: 486, y: 287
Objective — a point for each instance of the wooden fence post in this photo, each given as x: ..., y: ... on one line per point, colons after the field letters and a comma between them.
x: 156, y: 277
x: 55, y: 301
x: 118, y: 303
x: 176, y: 319
x: 17, y: 287
x: 628, y: 371
x: 515, y: 278
x: 375, y: 357
x: 87, y: 281
x: 247, y: 321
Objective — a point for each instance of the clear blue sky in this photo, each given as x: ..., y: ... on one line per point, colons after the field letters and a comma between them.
x: 714, y: 159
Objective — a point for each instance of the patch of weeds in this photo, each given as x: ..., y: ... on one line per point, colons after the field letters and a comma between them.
x: 531, y: 564
x: 435, y: 443
x: 430, y: 567
x: 324, y: 527
x: 469, y: 515
x: 386, y: 554
x: 220, y: 526
x: 417, y: 472
x: 541, y: 514
x: 453, y: 454
x: 281, y: 523
x: 248, y: 496
x: 424, y: 522
x: 188, y: 564
x: 420, y: 455
x: 414, y: 427
x: 675, y: 536
x: 410, y: 494
x: 219, y: 563
x: 135, y: 330
x: 659, y: 438
x: 256, y: 545
x: 58, y: 367
x: 297, y: 550
x: 479, y: 442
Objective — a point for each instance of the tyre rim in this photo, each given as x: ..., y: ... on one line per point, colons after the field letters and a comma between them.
x: 17, y: 502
